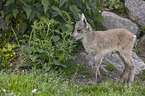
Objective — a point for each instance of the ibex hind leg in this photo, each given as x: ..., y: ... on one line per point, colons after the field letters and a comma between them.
x: 129, y: 68
x: 125, y: 73
x: 131, y: 71
x: 130, y: 65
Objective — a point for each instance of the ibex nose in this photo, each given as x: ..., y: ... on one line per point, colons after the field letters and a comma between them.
x: 74, y: 35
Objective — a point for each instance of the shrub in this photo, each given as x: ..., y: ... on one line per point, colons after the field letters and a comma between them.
x: 48, y: 46
x: 7, y: 55
x: 22, y: 13
x: 118, y: 5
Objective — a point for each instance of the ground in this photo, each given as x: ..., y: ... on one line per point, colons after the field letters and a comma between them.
x: 81, y: 78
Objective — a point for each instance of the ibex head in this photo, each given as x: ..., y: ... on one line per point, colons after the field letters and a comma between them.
x: 81, y: 27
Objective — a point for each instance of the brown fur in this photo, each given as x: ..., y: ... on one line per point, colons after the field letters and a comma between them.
x: 99, y: 43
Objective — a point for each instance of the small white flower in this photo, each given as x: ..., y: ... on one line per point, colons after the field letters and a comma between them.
x: 11, y: 93
x: 4, y: 90
x: 34, y: 91
x: 99, y: 11
x: 84, y: 76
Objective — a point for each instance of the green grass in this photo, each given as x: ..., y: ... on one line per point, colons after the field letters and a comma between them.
x: 54, y: 84
x: 46, y: 84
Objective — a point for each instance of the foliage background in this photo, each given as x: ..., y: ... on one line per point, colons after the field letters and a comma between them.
x: 23, y: 12
x: 45, y: 42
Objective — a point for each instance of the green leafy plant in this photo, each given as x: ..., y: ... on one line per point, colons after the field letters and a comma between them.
x: 143, y: 74
x: 143, y: 38
x: 22, y: 13
x: 7, y: 55
x: 5, y: 37
x: 138, y: 51
x: 48, y: 46
x: 110, y: 67
x: 116, y: 5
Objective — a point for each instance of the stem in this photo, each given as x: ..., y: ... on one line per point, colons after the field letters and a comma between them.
x: 30, y: 38
x: 19, y: 45
x: 47, y: 29
x: 34, y: 38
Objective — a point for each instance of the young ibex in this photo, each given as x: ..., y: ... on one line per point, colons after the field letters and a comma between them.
x: 99, y: 43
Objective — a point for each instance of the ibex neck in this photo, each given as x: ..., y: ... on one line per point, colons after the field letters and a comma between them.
x: 86, y: 38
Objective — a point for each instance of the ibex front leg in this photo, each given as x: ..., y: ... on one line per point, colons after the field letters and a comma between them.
x: 98, y: 61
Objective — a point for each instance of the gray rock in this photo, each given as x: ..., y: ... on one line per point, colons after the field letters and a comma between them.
x: 119, y: 64
x: 83, y: 59
x: 136, y: 10
x: 113, y: 21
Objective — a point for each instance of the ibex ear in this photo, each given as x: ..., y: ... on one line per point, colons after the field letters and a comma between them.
x: 83, y: 18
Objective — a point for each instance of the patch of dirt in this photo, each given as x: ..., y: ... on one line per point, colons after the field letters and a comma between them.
x: 81, y: 78
x: 18, y: 59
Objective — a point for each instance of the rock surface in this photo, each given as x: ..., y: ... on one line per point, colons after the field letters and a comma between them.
x: 118, y: 63
x: 113, y: 21
x: 82, y: 59
x: 136, y: 10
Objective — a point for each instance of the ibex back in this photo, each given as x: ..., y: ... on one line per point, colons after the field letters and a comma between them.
x: 99, y: 43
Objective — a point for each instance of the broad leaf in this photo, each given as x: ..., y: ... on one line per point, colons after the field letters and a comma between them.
x: 32, y: 15
x: 69, y: 29
x: 45, y: 4
x: 55, y: 38
x: 28, y: 10
x: 57, y: 10
x: 74, y: 9
x: 61, y: 58
x: 47, y: 69
x: 33, y: 58
x: 54, y: 14
x: 38, y: 5
x: 23, y: 27
x: 40, y: 50
x: 28, y: 0
x: 15, y: 12
x: 23, y: 2
x: 117, y: 6
x: 55, y: 62
x: 143, y: 27
x: 37, y: 13
x: 8, y: 2
x: 62, y: 2
x: 7, y: 18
